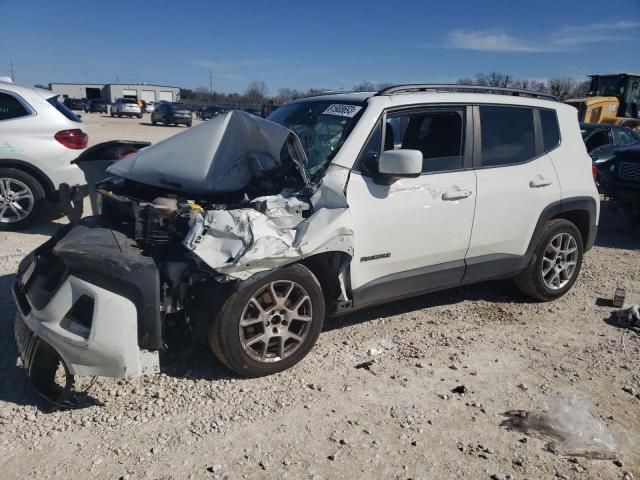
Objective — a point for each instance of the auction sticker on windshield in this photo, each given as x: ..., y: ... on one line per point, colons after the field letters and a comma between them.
x: 342, y: 110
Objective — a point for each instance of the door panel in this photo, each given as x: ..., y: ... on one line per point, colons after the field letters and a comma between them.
x: 408, y: 226
x: 515, y: 180
x: 509, y: 202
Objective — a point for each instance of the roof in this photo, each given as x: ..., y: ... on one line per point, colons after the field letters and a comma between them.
x: 25, y: 91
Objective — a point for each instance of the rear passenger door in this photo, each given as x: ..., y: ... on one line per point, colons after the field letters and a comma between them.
x: 516, y: 181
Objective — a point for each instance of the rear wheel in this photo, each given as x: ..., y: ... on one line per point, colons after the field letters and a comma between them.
x: 21, y: 199
x: 269, y: 324
x: 555, y: 264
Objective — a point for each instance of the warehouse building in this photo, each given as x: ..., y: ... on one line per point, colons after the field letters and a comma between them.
x: 111, y: 91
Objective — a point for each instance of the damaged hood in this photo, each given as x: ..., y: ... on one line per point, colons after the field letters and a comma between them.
x: 219, y: 156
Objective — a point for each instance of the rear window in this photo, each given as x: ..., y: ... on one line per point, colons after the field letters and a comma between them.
x: 55, y: 101
x: 130, y: 100
x: 550, y: 129
x: 10, y: 107
x: 507, y: 135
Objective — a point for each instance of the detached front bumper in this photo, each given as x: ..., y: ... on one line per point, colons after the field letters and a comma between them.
x: 108, y: 348
x: 91, y: 296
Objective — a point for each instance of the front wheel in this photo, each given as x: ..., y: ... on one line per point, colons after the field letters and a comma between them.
x: 269, y: 324
x: 21, y: 199
x: 555, y: 264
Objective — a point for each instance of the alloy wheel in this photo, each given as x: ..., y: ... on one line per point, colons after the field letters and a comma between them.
x: 16, y: 200
x: 275, y: 321
x: 559, y: 261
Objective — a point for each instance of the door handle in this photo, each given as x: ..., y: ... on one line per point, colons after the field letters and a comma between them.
x: 539, y: 182
x: 456, y: 194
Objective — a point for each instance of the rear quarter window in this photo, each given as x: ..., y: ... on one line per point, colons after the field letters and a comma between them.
x: 58, y: 105
x: 11, y: 107
x: 550, y: 129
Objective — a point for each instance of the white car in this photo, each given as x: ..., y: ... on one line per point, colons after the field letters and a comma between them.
x: 150, y: 107
x: 248, y: 232
x: 39, y: 138
x: 126, y: 107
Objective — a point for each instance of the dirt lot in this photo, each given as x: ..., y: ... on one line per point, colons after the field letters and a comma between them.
x: 327, y: 419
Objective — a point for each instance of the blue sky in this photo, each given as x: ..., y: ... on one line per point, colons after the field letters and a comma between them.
x: 328, y: 44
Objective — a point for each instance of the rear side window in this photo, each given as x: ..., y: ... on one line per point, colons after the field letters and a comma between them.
x: 550, y: 129
x: 55, y: 101
x: 10, y: 107
x: 507, y: 135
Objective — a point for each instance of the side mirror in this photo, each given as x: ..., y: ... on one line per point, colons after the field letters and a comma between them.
x: 402, y: 163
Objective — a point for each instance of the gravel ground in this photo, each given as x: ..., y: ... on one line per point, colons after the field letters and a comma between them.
x: 325, y: 418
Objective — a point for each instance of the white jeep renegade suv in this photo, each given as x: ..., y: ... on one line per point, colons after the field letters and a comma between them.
x: 336, y: 202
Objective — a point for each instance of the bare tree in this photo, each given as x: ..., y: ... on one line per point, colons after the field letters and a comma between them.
x: 562, y: 87
x: 256, y: 91
x: 365, y: 86
x: 287, y: 94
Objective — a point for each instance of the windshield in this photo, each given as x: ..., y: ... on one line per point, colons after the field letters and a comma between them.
x: 322, y: 127
x: 61, y: 107
x: 609, y: 87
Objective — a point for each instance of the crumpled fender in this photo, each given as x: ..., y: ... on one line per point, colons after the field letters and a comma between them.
x: 242, y: 242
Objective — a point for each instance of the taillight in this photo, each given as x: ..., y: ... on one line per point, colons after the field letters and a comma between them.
x: 594, y: 171
x: 75, y: 139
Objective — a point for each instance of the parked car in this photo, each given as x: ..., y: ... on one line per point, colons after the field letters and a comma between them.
x: 75, y: 103
x: 126, y: 107
x: 619, y: 180
x: 210, y: 112
x: 40, y: 138
x: 247, y: 233
x: 149, y: 107
x: 171, y: 114
x: 95, y: 105
x: 252, y: 111
x: 602, y: 140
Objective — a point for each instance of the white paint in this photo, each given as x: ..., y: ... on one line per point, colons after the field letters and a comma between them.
x: 409, y: 220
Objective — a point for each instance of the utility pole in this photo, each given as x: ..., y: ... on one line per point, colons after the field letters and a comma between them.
x: 13, y: 75
x: 211, y: 82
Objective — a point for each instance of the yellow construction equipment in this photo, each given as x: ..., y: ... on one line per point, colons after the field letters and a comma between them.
x: 612, y: 99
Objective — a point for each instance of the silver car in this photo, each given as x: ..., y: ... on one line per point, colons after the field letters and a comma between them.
x: 39, y: 138
x: 127, y: 107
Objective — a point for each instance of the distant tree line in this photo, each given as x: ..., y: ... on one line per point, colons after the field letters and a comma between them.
x: 257, y: 91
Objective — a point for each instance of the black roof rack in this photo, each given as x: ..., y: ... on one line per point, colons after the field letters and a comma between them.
x: 453, y: 87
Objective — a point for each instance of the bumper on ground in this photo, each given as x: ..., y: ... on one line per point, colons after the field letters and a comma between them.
x: 109, y: 347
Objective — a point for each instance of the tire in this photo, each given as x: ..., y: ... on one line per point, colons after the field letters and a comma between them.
x: 140, y: 115
x: 112, y: 113
x: 153, y: 122
x: 18, y: 181
x: 188, y: 124
x: 542, y: 279
x: 231, y: 343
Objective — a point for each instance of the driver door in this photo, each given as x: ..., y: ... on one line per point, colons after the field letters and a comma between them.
x: 412, y: 235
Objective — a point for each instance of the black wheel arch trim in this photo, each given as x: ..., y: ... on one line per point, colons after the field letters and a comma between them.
x: 555, y: 209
